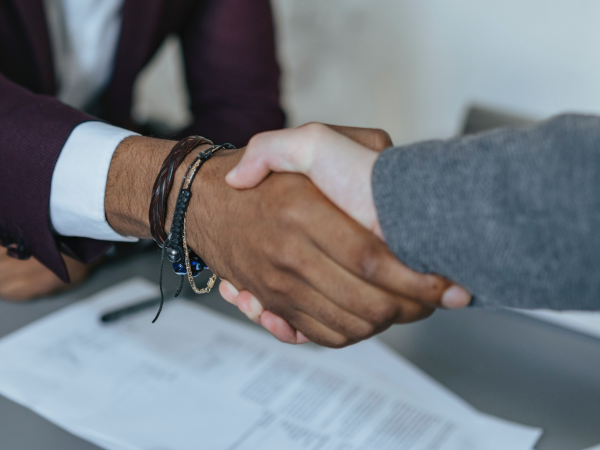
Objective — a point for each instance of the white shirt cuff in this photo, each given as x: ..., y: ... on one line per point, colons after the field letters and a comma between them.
x: 79, y: 182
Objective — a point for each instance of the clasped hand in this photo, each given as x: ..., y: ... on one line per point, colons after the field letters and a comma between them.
x: 370, y: 289
x: 303, y: 254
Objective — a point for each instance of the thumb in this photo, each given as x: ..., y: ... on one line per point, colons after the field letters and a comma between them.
x: 273, y: 151
x: 249, y: 171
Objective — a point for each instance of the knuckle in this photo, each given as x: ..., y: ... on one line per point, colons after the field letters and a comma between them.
x: 292, y: 212
x: 414, y: 312
x: 430, y: 289
x: 314, y: 131
x: 363, y: 331
x: 383, y: 311
x: 382, y: 139
x: 253, y: 145
x: 276, y: 284
x: 292, y: 262
x: 339, y: 342
x: 256, y: 142
x: 370, y: 261
x: 290, y: 256
x: 271, y: 249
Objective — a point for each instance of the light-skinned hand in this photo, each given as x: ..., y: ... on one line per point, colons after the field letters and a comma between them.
x: 335, y: 159
x: 339, y: 161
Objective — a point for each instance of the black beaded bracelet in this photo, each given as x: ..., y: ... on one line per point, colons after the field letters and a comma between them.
x: 164, y: 183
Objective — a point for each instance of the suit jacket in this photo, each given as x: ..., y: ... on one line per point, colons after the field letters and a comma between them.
x: 232, y: 75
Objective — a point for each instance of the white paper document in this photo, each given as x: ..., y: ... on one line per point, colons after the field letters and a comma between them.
x: 199, y: 380
x: 586, y: 322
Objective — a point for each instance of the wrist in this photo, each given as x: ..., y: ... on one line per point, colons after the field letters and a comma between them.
x: 343, y: 172
x: 133, y: 169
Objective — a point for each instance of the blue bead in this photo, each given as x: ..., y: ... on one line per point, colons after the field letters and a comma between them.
x: 179, y: 269
x: 196, y: 268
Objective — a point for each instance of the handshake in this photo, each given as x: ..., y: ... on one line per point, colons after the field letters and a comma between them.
x: 302, y: 252
x: 323, y: 277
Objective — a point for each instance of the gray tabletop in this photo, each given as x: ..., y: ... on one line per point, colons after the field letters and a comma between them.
x: 503, y: 363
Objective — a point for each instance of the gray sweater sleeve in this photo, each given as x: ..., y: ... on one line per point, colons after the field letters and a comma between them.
x: 513, y: 215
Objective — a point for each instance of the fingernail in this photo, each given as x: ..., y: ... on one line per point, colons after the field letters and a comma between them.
x: 230, y: 287
x: 456, y: 297
x: 301, y: 339
x: 256, y: 307
x: 252, y: 308
x: 244, y: 305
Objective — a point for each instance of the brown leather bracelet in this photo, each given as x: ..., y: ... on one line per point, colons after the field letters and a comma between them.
x: 164, y: 182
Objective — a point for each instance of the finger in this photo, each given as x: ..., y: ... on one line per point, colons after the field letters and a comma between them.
x: 358, y: 251
x: 301, y: 339
x: 271, y: 322
x: 281, y: 330
x: 369, y: 303
x: 412, y: 311
x: 329, y: 293
x: 284, y: 301
x: 327, y: 314
x: 25, y: 280
x: 288, y: 293
x: 26, y: 288
x: 456, y: 297
x: 319, y: 333
x: 373, y: 138
x: 428, y: 289
x: 14, y: 291
x: 253, y: 167
x: 249, y: 305
x: 312, y: 329
x: 11, y: 268
x: 228, y: 292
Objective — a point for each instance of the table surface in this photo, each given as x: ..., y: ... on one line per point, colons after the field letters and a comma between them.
x: 503, y: 363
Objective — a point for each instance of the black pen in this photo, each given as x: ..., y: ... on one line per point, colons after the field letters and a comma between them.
x: 125, y: 311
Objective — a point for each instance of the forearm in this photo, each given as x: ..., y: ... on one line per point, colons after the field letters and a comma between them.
x: 512, y: 215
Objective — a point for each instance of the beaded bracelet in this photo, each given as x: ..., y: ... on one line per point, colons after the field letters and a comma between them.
x: 175, y: 247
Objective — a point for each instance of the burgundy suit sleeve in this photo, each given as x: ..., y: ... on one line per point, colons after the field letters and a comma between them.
x: 33, y: 130
x: 232, y: 70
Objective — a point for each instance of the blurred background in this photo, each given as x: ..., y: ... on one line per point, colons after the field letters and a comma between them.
x: 412, y: 67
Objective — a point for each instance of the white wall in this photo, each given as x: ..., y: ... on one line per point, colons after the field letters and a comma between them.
x: 413, y: 66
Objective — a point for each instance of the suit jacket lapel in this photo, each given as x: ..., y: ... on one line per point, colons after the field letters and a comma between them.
x: 34, y: 20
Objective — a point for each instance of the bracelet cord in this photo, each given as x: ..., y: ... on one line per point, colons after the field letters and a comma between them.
x: 164, y: 184
x: 175, y: 246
